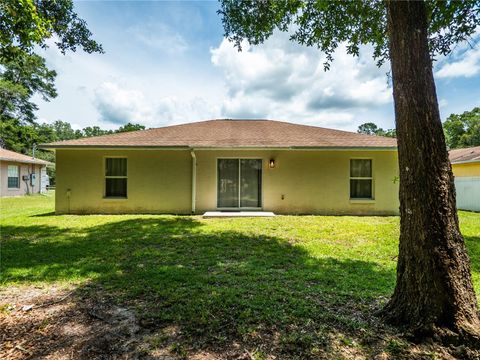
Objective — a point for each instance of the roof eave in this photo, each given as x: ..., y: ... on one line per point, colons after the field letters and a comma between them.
x: 185, y: 147
x: 27, y: 161
x: 466, y: 161
x: 305, y: 148
x: 76, y: 146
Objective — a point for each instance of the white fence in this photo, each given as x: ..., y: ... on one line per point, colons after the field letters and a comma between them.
x: 468, y: 193
x: 43, y: 180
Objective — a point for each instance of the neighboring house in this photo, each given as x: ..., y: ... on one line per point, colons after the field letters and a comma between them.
x: 466, y: 168
x: 21, y: 174
x: 228, y: 165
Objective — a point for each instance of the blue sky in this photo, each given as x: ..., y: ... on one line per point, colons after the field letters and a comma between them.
x: 168, y: 63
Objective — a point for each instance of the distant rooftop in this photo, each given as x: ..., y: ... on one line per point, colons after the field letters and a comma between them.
x: 7, y: 155
x: 471, y: 154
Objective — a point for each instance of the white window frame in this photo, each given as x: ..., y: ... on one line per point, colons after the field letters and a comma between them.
x: 361, y: 178
x: 113, y: 177
x: 18, y: 176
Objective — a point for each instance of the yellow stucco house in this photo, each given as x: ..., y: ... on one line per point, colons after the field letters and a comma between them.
x: 466, y: 169
x: 228, y: 165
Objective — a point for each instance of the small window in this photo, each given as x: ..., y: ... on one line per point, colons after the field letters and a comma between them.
x: 116, y: 177
x: 361, y: 179
x: 13, y: 177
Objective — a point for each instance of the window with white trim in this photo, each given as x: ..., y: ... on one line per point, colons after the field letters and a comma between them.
x: 13, y: 181
x: 361, y: 180
x: 115, y: 177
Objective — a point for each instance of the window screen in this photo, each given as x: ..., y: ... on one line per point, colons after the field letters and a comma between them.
x: 361, y: 179
x: 116, y: 177
x: 13, y: 177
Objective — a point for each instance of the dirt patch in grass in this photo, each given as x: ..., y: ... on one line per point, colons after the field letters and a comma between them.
x: 59, y: 323
x: 56, y: 324
x: 53, y: 323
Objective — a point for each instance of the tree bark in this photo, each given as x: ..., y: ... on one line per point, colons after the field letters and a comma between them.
x: 434, y: 293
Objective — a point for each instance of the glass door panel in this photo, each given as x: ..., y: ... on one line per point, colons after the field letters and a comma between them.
x: 228, y: 177
x: 251, y: 183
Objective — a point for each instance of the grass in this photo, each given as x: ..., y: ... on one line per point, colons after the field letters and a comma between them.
x: 292, y: 281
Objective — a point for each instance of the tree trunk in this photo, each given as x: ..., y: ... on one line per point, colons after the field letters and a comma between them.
x: 434, y: 293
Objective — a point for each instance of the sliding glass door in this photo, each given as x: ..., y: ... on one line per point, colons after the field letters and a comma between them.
x: 239, y: 183
x: 250, y: 183
x: 228, y: 189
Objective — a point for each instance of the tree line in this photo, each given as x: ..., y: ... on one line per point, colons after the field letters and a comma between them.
x: 461, y: 131
x: 21, y: 138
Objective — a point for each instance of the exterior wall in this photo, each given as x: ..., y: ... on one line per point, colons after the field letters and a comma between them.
x: 467, y: 185
x: 468, y: 192
x: 25, y: 187
x: 158, y: 182
x: 466, y: 169
x: 311, y: 182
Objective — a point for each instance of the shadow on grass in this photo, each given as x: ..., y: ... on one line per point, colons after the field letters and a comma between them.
x: 473, y: 247
x: 50, y: 213
x: 216, y: 287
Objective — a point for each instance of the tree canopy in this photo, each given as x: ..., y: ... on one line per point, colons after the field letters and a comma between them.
x: 326, y: 24
x: 372, y: 129
x: 25, y: 24
x: 463, y: 130
x: 20, y: 78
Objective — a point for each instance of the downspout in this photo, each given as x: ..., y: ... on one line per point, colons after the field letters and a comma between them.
x: 194, y: 179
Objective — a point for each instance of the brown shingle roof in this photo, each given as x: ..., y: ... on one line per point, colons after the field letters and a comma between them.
x: 471, y: 154
x: 7, y: 155
x: 233, y: 133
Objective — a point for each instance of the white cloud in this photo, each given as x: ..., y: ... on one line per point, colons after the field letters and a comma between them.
x: 159, y: 36
x: 463, y: 61
x: 283, y: 80
x: 467, y: 64
x: 98, y: 89
x: 277, y: 80
x: 119, y: 104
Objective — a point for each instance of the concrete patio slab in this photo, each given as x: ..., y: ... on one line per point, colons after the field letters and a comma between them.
x: 235, y: 214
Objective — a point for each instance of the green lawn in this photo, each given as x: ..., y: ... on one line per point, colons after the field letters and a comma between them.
x: 292, y: 281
